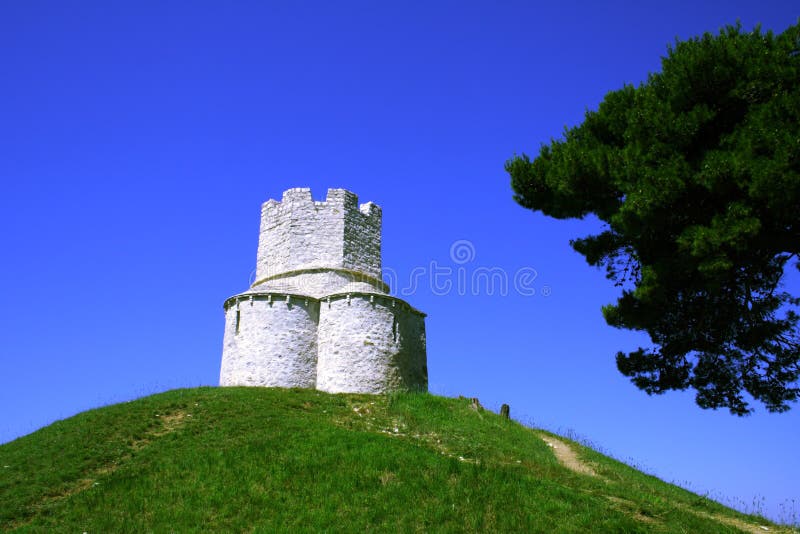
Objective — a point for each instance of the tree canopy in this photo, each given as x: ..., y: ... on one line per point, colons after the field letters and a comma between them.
x: 695, y: 174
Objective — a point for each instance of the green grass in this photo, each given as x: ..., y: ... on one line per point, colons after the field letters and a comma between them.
x: 266, y: 460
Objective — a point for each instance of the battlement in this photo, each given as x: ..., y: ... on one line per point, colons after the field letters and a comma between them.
x: 300, y: 199
x: 299, y: 233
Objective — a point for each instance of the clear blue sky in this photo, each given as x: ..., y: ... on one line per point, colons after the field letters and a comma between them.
x: 138, y: 140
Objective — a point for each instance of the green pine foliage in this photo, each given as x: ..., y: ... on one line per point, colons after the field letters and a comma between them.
x: 272, y: 460
x: 696, y: 176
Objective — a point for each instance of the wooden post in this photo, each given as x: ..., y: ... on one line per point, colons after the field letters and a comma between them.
x: 504, y: 411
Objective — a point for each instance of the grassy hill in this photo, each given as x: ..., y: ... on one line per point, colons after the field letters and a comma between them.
x: 265, y: 460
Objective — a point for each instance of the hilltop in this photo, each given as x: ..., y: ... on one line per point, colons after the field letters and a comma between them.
x: 263, y: 459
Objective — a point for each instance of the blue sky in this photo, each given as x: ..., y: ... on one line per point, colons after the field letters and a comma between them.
x: 138, y: 140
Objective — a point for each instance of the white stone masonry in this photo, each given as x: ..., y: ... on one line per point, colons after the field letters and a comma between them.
x: 318, y: 314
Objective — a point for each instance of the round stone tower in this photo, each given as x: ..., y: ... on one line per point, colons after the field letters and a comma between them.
x: 318, y: 314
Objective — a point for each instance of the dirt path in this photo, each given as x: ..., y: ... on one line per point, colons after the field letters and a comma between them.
x: 567, y: 457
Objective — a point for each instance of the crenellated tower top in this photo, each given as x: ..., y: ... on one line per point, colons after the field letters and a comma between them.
x: 298, y: 234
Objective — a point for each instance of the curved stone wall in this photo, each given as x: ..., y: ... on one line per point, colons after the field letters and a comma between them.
x: 368, y: 343
x: 270, y: 340
x: 319, y: 283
